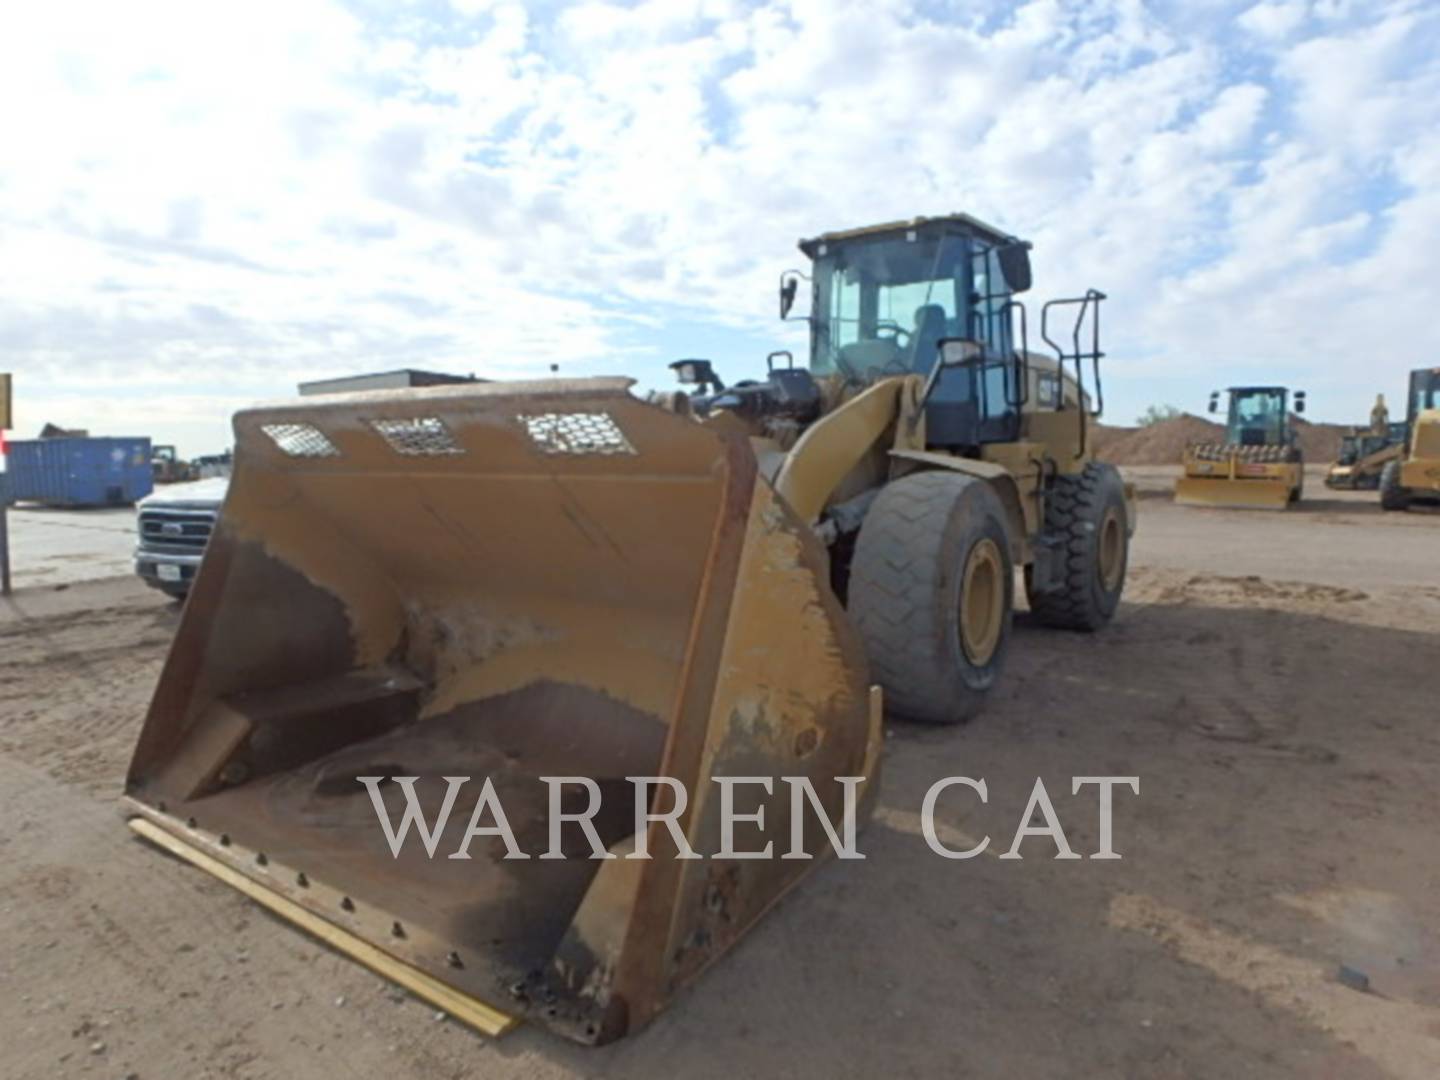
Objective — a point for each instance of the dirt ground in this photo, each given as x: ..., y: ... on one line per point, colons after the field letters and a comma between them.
x: 1270, y: 680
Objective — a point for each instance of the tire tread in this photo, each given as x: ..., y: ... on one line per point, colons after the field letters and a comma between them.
x: 1392, y: 495
x: 1073, y: 510
x: 895, y: 578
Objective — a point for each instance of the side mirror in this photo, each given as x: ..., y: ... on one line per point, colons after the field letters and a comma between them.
x: 696, y: 372
x: 1015, y: 265
x: 956, y: 352
x: 1299, y: 401
x: 789, y: 286
x: 1215, y: 401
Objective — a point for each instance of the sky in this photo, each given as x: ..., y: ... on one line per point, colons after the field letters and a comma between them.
x: 202, y: 204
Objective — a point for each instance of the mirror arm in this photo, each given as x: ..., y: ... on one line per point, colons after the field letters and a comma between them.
x: 789, y: 289
x: 931, y: 381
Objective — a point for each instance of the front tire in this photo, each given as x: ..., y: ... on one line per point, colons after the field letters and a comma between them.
x: 1392, y: 495
x: 932, y: 590
x: 1086, y: 513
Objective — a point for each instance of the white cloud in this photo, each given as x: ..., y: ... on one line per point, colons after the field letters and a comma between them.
x: 204, y: 206
x: 1274, y: 20
x: 1369, y: 90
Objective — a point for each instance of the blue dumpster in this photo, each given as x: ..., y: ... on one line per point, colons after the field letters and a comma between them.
x: 80, y: 471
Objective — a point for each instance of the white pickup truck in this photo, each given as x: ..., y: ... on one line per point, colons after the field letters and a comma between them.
x: 173, y: 526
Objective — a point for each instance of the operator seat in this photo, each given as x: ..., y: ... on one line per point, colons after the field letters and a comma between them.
x: 930, y: 326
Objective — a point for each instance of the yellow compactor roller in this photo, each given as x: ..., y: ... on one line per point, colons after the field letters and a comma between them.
x: 510, y: 582
x: 1259, y: 465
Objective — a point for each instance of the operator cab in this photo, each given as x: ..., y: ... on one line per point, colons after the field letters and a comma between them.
x: 1424, y: 393
x: 1258, y: 415
x: 885, y: 297
x: 933, y: 297
x: 1355, y: 447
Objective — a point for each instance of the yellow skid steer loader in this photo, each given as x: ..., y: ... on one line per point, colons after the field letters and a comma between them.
x: 1363, y: 457
x: 553, y: 588
x: 1259, y: 465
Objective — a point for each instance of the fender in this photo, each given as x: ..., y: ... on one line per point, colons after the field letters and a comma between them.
x: 833, y: 445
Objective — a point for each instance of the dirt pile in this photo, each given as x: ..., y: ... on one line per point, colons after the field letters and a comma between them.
x: 1103, y: 437
x: 1320, y: 442
x: 1163, y: 442
x: 1160, y: 443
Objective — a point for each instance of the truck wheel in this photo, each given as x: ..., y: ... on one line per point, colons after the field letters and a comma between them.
x: 1392, y: 495
x: 932, y: 588
x: 1086, y: 513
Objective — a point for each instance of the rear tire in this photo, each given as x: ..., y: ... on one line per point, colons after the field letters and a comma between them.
x: 932, y: 590
x: 1087, y: 513
x: 1392, y: 495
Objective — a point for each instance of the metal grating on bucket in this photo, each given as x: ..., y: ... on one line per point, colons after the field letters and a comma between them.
x: 575, y: 433
x: 420, y: 436
x: 300, y: 440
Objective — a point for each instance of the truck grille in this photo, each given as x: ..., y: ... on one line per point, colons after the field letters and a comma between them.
x: 176, y: 532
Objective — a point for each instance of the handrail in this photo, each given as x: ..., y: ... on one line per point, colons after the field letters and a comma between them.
x: 1079, y: 356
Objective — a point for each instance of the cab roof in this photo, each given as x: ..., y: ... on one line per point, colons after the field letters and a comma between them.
x: 969, y: 224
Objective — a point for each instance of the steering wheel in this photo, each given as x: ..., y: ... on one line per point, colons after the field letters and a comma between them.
x: 896, y: 333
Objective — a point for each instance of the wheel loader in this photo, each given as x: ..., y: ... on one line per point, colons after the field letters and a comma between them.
x: 1414, y: 477
x: 555, y: 587
x: 1259, y: 465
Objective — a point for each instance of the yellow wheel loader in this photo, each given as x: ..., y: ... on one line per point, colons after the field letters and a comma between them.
x: 1363, y: 457
x: 1259, y: 465
x: 1414, y: 477
x: 554, y: 588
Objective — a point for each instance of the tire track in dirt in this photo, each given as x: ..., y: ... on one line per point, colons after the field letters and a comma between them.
x: 1400, y: 1036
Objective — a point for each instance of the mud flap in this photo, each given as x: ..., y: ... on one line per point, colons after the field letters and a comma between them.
x: 506, y: 582
x: 1047, y: 569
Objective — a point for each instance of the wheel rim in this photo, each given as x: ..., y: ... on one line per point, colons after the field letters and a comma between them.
x: 1112, y: 551
x: 982, y: 602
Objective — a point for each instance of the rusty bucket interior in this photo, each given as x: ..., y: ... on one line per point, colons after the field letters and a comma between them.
x: 503, y: 581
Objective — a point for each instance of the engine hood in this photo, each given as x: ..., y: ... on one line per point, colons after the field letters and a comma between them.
x: 206, y: 493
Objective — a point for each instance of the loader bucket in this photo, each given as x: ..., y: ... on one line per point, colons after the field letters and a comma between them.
x: 1258, y: 493
x: 504, y: 582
